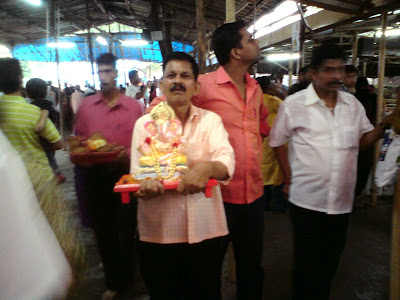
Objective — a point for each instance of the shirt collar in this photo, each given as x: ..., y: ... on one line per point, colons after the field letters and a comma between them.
x: 121, y: 101
x: 12, y: 98
x: 223, y: 77
x: 194, y: 112
x: 312, y: 96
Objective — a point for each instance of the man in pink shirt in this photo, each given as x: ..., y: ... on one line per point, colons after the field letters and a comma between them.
x: 113, y: 115
x: 238, y: 100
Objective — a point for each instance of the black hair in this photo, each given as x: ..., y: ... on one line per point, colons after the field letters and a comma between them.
x: 264, y: 82
x: 183, y: 57
x: 10, y: 75
x: 362, y: 83
x: 349, y: 69
x: 324, y: 52
x: 225, y: 38
x: 107, y: 59
x: 36, y: 88
x: 132, y: 73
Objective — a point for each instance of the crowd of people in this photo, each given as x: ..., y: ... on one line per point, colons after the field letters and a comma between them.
x: 270, y: 147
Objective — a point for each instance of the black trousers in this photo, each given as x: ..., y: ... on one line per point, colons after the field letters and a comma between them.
x: 319, y: 241
x: 246, y: 232
x: 114, y: 225
x: 183, y: 271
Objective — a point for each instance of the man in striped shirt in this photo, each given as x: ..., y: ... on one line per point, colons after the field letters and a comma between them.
x: 18, y: 120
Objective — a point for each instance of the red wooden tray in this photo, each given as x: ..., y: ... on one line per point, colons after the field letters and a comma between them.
x: 94, y: 157
x: 125, y: 189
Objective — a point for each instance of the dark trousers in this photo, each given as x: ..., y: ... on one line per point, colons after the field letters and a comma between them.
x: 81, y: 188
x: 246, y: 232
x: 274, y: 199
x: 183, y: 271
x: 364, y: 165
x: 319, y: 240
x: 51, y: 155
x: 114, y: 225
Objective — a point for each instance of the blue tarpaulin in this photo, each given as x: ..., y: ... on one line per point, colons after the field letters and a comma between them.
x: 39, y: 51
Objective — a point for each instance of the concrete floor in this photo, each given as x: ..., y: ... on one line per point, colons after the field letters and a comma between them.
x: 363, y: 272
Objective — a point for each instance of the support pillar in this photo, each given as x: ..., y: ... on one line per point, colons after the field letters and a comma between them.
x: 381, y: 77
x: 201, y: 36
x: 230, y: 11
x: 355, y: 49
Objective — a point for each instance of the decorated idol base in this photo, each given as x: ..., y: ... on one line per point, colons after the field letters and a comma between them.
x: 125, y: 188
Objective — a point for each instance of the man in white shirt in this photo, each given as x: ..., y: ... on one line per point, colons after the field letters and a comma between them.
x: 325, y: 128
x: 134, y: 90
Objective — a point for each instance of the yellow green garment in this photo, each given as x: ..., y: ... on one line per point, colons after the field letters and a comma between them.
x: 17, y: 121
x: 272, y: 174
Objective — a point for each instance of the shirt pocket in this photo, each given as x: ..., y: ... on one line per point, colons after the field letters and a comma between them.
x: 350, y: 137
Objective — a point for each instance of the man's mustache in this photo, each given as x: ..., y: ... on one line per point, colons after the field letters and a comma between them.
x: 336, y: 82
x: 178, y: 87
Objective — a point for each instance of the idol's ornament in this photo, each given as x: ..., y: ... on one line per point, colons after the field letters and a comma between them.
x: 163, y: 149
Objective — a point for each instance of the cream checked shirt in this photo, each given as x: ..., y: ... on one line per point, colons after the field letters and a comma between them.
x: 173, y: 217
x: 323, y: 149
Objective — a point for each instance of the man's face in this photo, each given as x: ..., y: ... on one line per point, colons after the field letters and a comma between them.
x: 250, y: 52
x: 350, y: 80
x: 135, y: 80
x: 329, y: 76
x: 304, y: 76
x: 107, y: 76
x: 178, y: 83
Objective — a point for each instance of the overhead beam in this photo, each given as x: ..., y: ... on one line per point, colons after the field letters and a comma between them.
x: 330, y: 7
x: 74, y: 15
x: 101, y: 6
x: 358, y: 2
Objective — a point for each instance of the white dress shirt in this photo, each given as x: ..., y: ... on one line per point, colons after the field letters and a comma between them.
x: 323, y: 149
x: 131, y: 91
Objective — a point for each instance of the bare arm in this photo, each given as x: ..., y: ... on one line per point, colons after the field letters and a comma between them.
x: 57, y: 145
x: 42, y: 120
x: 281, y: 154
x: 371, y: 137
x: 142, y: 92
x: 197, y: 178
x: 192, y: 182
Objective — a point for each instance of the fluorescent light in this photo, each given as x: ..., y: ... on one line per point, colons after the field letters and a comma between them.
x: 278, y: 25
x: 358, y: 21
x: 283, y: 15
x: 34, y: 2
x: 66, y: 45
x: 283, y: 10
x: 102, y: 40
x: 374, y: 16
x: 5, y: 52
x: 283, y: 56
x: 270, y: 48
x: 134, y: 43
x: 391, y: 32
x: 396, y: 12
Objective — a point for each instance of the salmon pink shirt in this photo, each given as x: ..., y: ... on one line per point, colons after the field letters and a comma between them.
x: 245, y: 120
x: 114, y: 123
